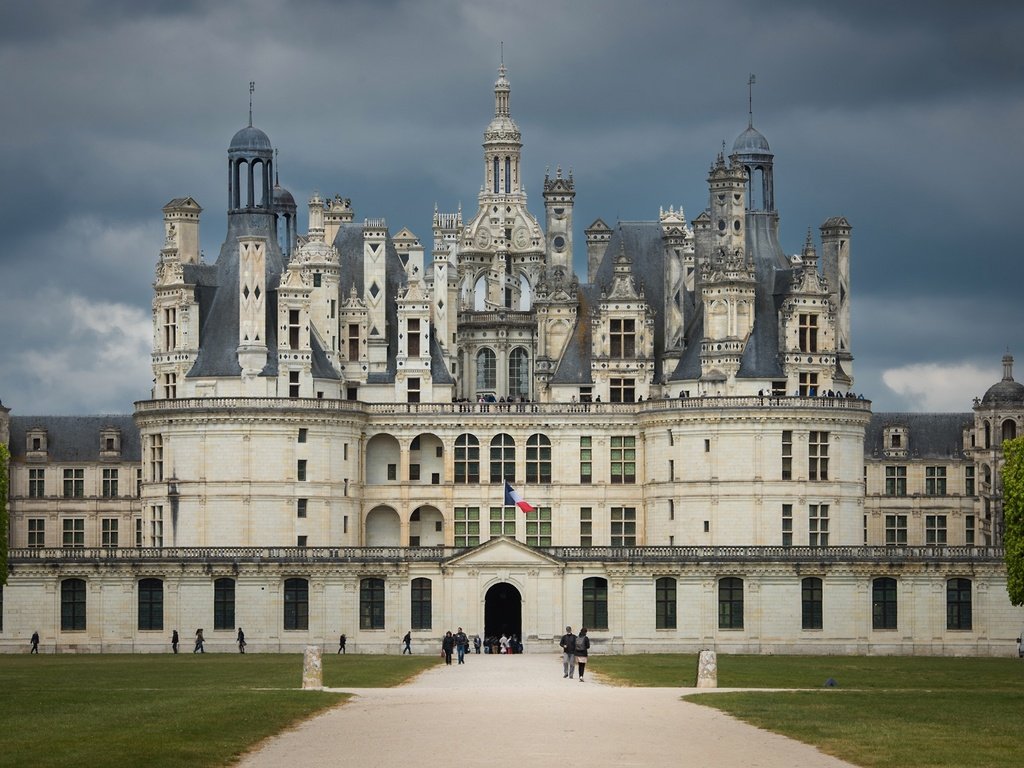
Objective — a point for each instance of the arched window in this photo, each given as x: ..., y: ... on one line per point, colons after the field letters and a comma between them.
x: 883, y: 603
x: 988, y: 435
x: 595, y: 603
x: 72, y: 605
x: 503, y: 458
x: 496, y: 176
x: 1009, y: 429
x: 538, y: 459
x: 371, y: 604
x: 421, y: 604
x: 810, y: 603
x: 151, y: 604
x: 958, y: 604
x: 730, y: 603
x: 508, y: 175
x: 665, y: 603
x: 467, y: 459
x: 296, y: 604
x: 224, y: 604
x: 486, y: 370
x: 519, y: 373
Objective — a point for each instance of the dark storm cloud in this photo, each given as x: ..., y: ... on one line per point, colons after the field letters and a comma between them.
x: 903, y: 117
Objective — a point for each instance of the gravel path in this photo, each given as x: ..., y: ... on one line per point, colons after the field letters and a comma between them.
x: 497, y: 709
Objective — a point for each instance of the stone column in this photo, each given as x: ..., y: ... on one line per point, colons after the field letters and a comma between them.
x: 707, y: 670
x: 312, y: 668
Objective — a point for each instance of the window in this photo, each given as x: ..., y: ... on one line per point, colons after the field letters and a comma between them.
x: 623, y: 460
x: 414, y: 337
x: 392, y: 471
x: 72, y: 605
x: 421, y: 604
x: 74, y: 483
x: 170, y: 385
x: 622, y: 390
x: 935, y: 529
x: 467, y: 459
x: 519, y: 373
x: 808, y: 333
x: 36, y: 483
x: 294, y: 386
x: 36, y: 532
x: 293, y: 328
x: 503, y: 521
x: 623, y: 526
x: 486, y: 370
x: 74, y: 532
x: 586, y: 526
x: 170, y: 328
x: 109, y: 483
x: 303, y: 435
x: 817, y: 456
x: 353, y: 343
x: 730, y: 603
x: 817, y: 525
x: 108, y: 533
x: 503, y: 458
x: 622, y: 335
x: 665, y: 603
x: 138, y: 532
x: 300, y: 470
x: 138, y: 482
x: 467, y: 526
x: 935, y: 481
x: 156, y: 526
x: 538, y: 459
x: 969, y: 529
x: 895, y: 481
x: 538, y: 527
x: 301, y: 541
x: 151, y: 604
x: 296, y: 604
x: 895, y: 530
x: 808, y: 386
x: 958, y: 604
x: 595, y: 603
x: 224, y: 604
x: 787, y: 525
x: 969, y: 481
x: 787, y: 454
x: 883, y: 603
x: 301, y: 505
x: 412, y: 389
x: 156, y: 458
x: 586, y: 461
x: 371, y: 604
x: 810, y: 603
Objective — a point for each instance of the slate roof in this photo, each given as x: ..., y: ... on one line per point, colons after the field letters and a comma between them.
x: 75, y: 438
x: 930, y: 435
x: 574, y: 365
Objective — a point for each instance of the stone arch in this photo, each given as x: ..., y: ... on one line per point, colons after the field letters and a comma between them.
x: 525, y: 293
x: 383, y: 527
x: 426, y: 527
x: 718, y: 320
x: 1009, y: 429
x: 382, y: 454
x: 426, y: 459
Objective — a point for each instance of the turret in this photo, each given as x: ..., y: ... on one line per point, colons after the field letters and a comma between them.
x: 835, y: 257
x: 252, y: 295
x: 559, y: 195
x: 728, y: 207
x: 598, y: 236
x: 375, y: 291
x: 181, y: 226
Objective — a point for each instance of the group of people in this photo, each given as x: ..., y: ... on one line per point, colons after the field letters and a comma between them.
x: 457, y: 643
x: 575, y: 649
x: 200, y: 646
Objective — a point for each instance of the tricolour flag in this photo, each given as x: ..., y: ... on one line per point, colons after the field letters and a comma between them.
x: 514, y: 499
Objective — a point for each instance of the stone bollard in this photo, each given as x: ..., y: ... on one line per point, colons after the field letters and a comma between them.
x: 707, y: 670
x: 312, y: 668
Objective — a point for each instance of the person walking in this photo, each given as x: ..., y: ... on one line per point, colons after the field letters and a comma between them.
x: 241, y: 640
x: 476, y: 643
x: 199, y: 641
x: 461, y: 644
x: 447, y: 646
x: 341, y: 644
x: 568, y: 646
x: 407, y: 643
x: 35, y: 642
x: 582, y: 649
x: 174, y: 641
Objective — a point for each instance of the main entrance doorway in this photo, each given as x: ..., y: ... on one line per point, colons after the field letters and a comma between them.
x: 503, y: 611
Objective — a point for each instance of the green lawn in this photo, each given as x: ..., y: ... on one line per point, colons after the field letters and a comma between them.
x: 166, y: 710
x: 898, y: 712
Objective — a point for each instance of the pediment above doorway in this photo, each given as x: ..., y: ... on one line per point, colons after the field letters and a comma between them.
x: 504, y: 551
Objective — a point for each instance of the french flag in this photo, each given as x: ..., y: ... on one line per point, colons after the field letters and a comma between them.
x: 514, y: 499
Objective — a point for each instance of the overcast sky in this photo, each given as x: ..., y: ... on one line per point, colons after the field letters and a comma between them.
x: 907, y: 118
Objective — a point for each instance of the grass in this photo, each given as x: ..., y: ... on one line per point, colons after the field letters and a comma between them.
x: 165, y: 710
x: 887, y: 712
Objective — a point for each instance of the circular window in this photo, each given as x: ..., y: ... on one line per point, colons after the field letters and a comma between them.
x: 736, y: 225
x: 721, y: 225
x: 559, y: 243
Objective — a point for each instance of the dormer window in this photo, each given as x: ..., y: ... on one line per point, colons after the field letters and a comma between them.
x: 110, y: 443
x: 36, y: 444
x: 895, y: 441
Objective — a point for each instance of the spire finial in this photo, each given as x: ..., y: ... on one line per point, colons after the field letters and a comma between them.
x: 750, y: 100
x: 252, y: 87
x: 277, y: 171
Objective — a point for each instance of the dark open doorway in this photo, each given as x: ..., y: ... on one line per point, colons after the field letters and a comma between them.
x: 503, y: 611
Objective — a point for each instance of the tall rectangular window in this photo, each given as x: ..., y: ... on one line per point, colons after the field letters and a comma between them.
x: 817, y: 525
x: 371, y: 604
x: 138, y: 532
x: 969, y: 480
x: 467, y: 526
x: 969, y: 529
x: 170, y: 385
x: 304, y: 435
x: 422, y: 609
x: 884, y: 606
x: 301, y: 506
x: 138, y: 483
x: 74, y: 483
x: 787, y: 525
x: 623, y: 459
x: 503, y: 521
x: 623, y: 525
x: 72, y: 605
x: 296, y: 604
x: 156, y: 526
x: 895, y: 530
x: 817, y: 456
x: 586, y: 526
x: 895, y: 481
x: 108, y: 533
x: 151, y: 604
x: 293, y: 328
x: 300, y: 470
x: 73, y: 532
x: 412, y: 389
x: 622, y: 335
x: 622, y: 390
x: 811, y: 603
x: 538, y: 527
x: 665, y: 603
x: 36, y: 483
x: 170, y: 328
x: 414, y: 337
x: 224, y: 604
x: 353, y: 342
x: 36, y: 532
x: 467, y: 459
x: 808, y: 333
x: 787, y: 454
x: 935, y: 529
x: 109, y: 489
x: 595, y: 603
x: 808, y: 384
x: 935, y: 481
x: 958, y: 604
x: 586, y: 460
x: 730, y: 603
x: 156, y: 458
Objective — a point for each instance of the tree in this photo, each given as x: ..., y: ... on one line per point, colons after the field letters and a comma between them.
x: 1013, y: 517
x: 5, y: 457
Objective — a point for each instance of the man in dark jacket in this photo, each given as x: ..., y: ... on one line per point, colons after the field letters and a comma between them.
x: 568, y: 646
x: 462, y: 643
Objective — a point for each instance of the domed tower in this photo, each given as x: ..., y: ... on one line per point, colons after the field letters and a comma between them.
x: 998, y: 416
x: 250, y: 164
x: 751, y: 150
x: 284, y: 212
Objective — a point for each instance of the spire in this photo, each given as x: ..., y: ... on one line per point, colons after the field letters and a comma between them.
x: 810, y: 255
x: 750, y: 101
x: 501, y: 88
x: 1007, y: 367
x: 277, y: 174
x: 252, y: 87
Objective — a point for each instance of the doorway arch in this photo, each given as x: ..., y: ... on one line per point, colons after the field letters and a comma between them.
x: 503, y: 611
